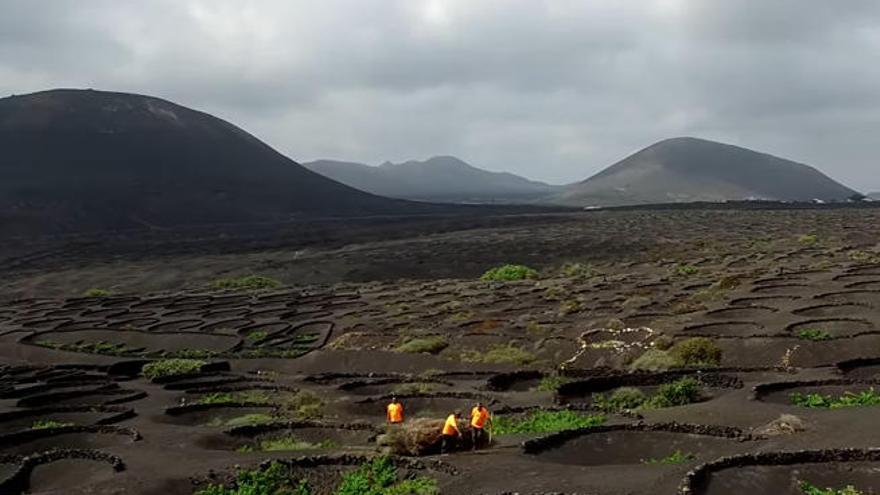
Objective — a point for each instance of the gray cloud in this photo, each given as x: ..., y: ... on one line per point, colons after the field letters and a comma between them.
x: 553, y: 89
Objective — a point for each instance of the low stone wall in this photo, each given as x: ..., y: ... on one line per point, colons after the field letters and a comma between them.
x: 696, y: 479
x: 18, y: 483
x: 541, y: 444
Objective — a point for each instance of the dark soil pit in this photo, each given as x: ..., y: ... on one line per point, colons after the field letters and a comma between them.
x: 767, y: 301
x: 79, y: 440
x: 217, y: 417
x: 390, y: 387
x: 145, y: 341
x: 224, y: 314
x: 866, y: 285
x: 781, y: 289
x: 785, y: 480
x: 852, y: 297
x: 319, y: 437
x: 7, y: 471
x: 729, y: 328
x: 634, y: 447
x: 175, y: 325
x: 831, y: 310
x: 228, y: 326
x: 77, y: 418
x: 415, y: 407
x: 95, y: 397
x: 66, y: 474
x: 835, y: 327
x: 741, y: 313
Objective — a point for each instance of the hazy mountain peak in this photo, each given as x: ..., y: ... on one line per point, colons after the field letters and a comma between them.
x: 693, y: 169
x: 439, y: 178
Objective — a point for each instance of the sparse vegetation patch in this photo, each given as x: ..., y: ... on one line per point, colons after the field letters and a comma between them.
x: 500, y: 354
x: 847, y: 399
x: 423, y: 345
x: 171, y: 367
x: 811, y: 489
x: 43, y: 424
x: 509, y: 272
x: 677, y: 457
x: 250, y: 282
x: 545, y: 422
x: 814, y: 335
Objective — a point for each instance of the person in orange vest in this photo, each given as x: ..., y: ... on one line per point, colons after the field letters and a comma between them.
x: 395, y: 412
x: 450, y: 432
x: 480, y: 418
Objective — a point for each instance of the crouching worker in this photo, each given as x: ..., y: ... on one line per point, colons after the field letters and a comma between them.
x: 451, y: 433
x: 480, y: 419
x: 395, y: 412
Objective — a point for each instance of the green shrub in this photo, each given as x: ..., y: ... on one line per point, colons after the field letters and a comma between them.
x: 622, y: 399
x: 545, y: 422
x: 848, y: 399
x: 509, y: 272
x: 653, y: 360
x: 808, y: 240
x: 500, y: 354
x: 171, y: 367
x: 686, y: 270
x: 697, y: 351
x: 97, y: 293
x: 250, y: 282
x: 424, y: 345
x: 43, y: 424
x: 677, y: 457
x: 678, y: 393
x: 379, y: 477
x: 814, y: 334
x: 274, y: 480
x: 810, y: 489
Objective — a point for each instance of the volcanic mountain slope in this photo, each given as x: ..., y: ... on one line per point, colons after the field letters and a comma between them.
x: 441, y: 178
x: 88, y: 161
x: 690, y: 169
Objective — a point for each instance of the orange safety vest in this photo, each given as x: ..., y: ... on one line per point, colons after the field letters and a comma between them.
x: 479, y: 415
x: 395, y: 412
x: 450, y: 429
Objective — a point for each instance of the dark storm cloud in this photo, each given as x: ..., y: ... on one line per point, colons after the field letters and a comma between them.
x: 553, y: 90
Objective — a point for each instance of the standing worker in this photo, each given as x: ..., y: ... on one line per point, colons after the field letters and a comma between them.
x: 395, y: 412
x: 450, y: 432
x: 479, y: 419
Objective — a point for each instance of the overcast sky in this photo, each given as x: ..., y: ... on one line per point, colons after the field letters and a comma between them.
x: 553, y: 90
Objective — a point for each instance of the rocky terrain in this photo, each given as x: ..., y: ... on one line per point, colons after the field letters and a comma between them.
x: 643, y: 352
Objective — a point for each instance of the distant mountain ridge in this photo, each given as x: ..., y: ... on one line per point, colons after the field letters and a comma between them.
x: 91, y: 161
x: 874, y: 195
x: 440, y: 178
x: 690, y: 169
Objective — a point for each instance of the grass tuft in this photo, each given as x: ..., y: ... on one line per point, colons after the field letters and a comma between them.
x: 424, y: 345
x: 509, y: 272
x: 172, y: 367
x: 814, y: 335
x: 677, y: 457
x: 43, y: 424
